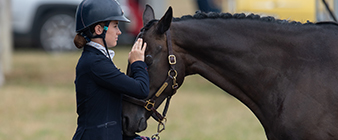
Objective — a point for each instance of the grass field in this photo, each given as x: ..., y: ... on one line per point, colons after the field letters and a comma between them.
x: 38, y: 103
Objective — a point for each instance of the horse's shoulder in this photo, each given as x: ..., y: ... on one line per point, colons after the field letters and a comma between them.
x: 327, y: 23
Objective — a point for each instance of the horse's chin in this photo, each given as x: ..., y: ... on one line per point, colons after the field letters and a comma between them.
x: 130, y: 129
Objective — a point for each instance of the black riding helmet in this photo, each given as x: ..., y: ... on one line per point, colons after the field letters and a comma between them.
x: 90, y: 12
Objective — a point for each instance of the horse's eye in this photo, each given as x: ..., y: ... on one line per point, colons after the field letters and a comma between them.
x: 149, y: 60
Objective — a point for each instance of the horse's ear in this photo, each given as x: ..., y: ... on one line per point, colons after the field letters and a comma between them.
x: 148, y: 14
x: 164, y: 24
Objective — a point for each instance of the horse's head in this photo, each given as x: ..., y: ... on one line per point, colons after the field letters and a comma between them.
x: 165, y: 72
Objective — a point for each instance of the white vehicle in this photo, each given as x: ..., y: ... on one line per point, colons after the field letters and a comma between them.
x: 49, y: 24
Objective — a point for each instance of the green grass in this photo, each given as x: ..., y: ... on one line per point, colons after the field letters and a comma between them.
x: 38, y: 103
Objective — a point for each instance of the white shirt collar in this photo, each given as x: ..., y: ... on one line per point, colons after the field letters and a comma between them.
x: 102, y: 49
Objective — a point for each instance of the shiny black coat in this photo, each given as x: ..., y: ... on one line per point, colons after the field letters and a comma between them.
x: 99, y: 88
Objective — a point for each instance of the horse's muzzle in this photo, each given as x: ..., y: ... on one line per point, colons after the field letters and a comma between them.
x: 133, y: 126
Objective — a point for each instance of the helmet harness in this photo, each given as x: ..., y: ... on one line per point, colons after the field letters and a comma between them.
x: 88, y: 35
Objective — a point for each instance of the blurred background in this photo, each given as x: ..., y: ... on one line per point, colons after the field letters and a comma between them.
x: 49, y: 24
x: 38, y: 59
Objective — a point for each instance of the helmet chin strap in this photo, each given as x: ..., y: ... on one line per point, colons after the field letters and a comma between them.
x: 88, y: 35
x: 103, y: 36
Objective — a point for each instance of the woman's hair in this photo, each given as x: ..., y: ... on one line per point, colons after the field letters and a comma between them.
x: 80, y: 41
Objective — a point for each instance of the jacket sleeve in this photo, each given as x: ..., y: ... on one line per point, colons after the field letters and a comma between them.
x: 107, y: 75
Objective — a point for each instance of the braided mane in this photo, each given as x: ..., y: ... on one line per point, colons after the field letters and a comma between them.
x: 214, y: 15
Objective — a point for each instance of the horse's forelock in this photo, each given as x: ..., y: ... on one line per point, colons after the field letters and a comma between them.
x: 149, y: 25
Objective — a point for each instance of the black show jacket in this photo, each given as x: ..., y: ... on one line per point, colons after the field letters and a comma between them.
x: 99, y: 88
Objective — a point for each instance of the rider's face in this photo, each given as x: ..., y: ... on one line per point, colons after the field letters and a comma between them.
x: 112, y: 34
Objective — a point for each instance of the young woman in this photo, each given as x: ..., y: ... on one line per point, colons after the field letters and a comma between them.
x: 99, y: 84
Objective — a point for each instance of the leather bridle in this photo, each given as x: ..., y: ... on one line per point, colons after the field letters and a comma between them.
x: 149, y: 104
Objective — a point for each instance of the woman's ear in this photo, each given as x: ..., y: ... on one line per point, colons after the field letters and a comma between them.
x: 98, y: 30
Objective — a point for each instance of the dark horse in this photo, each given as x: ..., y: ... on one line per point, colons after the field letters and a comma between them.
x: 285, y: 72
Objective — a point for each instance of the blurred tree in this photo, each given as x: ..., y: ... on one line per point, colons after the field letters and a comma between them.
x: 5, y: 39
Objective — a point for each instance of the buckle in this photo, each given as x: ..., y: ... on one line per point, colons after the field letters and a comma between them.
x: 149, y: 105
x: 172, y: 59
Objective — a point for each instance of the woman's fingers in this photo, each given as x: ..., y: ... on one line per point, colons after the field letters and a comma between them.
x: 144, y: 47
x: 138, y: 44
x: 137, y: 51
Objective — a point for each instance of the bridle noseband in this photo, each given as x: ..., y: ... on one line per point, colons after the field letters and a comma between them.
x: 149, y: 104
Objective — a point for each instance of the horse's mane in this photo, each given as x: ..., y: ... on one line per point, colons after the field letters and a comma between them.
x: 214, y: 15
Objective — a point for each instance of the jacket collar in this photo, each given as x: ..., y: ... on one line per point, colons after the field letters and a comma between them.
x: 91, y: 49
x: 102, y: 49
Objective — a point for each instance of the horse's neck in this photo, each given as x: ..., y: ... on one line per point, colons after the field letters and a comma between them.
x: 226, y: 58
x: 225, y: 52
x: 275, y: 71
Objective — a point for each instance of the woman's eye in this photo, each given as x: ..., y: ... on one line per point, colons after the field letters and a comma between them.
x: 149, y: 60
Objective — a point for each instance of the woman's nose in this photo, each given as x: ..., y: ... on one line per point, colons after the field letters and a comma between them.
x: 119, y: 31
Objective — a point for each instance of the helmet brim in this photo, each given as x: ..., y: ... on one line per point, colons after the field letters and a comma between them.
x: 119, y: 18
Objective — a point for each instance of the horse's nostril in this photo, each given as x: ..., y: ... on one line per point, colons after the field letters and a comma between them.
x: 130, y: 128
x: 126, y: 121
x: 125, y: 124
